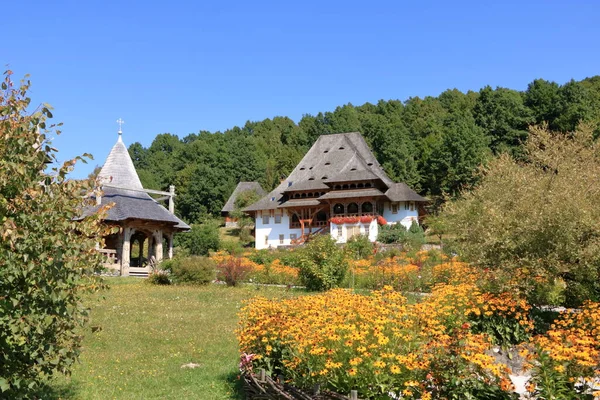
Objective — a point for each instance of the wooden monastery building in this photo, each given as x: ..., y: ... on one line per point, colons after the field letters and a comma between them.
x: 145, y: 225
x: 338, y: 188
x: 229, y: 207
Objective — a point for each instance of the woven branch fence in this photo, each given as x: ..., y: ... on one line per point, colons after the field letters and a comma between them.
x: 262, y: 387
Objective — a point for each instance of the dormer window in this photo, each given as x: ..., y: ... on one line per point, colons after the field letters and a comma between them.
x: 327, y: 163
x: 311, y: 179
x: 370, y: 164
x: 323, y: 177
x: 272, y: 198
x: 290, y: 184
x: 302, y: 168
x: 342, y: 148
x: 326, y: 151
x: 353, y: 169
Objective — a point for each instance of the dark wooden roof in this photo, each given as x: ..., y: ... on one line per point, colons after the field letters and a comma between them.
x: 240, y: 188
x: 341, y: 157
x: 118, y: 170
x: 347, y: 194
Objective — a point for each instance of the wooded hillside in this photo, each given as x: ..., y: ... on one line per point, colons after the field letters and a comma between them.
x: 433, y: 144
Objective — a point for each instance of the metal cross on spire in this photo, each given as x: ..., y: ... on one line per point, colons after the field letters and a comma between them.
x: 120, y: 122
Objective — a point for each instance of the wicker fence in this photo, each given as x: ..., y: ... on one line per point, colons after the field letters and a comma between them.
x: 263, y: 387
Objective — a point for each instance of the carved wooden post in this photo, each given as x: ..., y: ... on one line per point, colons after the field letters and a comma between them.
x: 126, y: 251
x: 150, y: 247
x: 158, y: 245
x: 172, y: 199
x: 170, y: 238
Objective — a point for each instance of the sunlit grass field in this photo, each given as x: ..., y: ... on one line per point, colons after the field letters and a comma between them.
x: 140, y: 335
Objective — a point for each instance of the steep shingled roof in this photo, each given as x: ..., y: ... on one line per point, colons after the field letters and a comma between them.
x: 118, y: 170
x: 332, y: 158
x: 240, y: 188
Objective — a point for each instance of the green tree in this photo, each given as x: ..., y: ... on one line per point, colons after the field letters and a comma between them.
x: 201, y: 239
x: 535, y: 222
x: 47, y: 258
x: 504, y: 118
x: 456, y: 156
x: 321, y: 263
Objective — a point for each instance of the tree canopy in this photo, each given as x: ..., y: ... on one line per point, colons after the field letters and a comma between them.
x: 434, y: 144
x: 534, y: 220
x: 47, y: 257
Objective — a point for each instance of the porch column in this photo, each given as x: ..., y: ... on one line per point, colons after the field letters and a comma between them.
x: 126, y: 251
x: 158, y: 245
x: 170, y: 238
x: 150, y: 247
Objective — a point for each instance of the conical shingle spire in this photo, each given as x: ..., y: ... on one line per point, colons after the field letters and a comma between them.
x: 118, y: 169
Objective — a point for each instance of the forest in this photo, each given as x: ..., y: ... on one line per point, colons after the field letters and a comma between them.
x: 434, y: 144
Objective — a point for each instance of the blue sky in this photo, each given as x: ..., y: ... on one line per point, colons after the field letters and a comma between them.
x: 184, y: 66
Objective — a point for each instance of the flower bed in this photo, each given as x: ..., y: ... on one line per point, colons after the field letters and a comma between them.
x: 377, y: 344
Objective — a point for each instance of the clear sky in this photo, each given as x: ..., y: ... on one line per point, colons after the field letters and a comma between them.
x: 182, y: 66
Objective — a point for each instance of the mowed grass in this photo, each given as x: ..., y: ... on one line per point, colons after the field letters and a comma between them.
x: 140, y: 335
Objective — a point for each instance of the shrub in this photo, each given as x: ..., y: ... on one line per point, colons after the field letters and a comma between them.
x: 201, y: 239
x: 232, y: 270
x: 321, y: 264
x: 263, y: 257
x: 159, y: 277
x: 415, y: 237
x: 47, y: 259
x: 193, y: 270
x: 359, y: 247
x: 391, y: 234
x: 536, y: 212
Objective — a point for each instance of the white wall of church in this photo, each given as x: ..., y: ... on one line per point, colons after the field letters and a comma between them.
x: 341, y: 233
x: 401, y: 212
x: 268, y: 235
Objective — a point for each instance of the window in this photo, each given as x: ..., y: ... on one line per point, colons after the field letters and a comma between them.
x: 340, y: 233
x: 367, y: 229
x: 394, y: 208
x: 281, y: 236
x: 265, y: 220
x: 352, y: 208
x: 266, y: 240
x: 293, y: 236
x: 338, y: 209
x: 277, y: 219
x: 412, y: 206
x: 367, y: 207
x: 406, y: 205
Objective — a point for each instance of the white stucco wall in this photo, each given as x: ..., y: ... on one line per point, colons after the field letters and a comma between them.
x: 345, y: 228
x: 403, y: 216
x: 273, y: 230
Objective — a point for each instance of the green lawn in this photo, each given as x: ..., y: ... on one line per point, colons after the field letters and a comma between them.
x: 140, y: 335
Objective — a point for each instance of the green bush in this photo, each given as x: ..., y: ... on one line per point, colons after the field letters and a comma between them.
x: 47, y: 259
x: 192, y: 270
x: 201, y: 239
x: 415, y: 237
x: 262, y: 257
x: 359, y: 247
x: 321, y: 264
x: 159, y: 277
x: 389, y: 234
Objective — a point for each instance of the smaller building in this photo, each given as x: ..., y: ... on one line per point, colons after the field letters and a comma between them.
x: 339, y: 189
x: 229, y: 207
x: 146, y: 227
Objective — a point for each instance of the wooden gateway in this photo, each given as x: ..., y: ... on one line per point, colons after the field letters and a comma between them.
x: 146, y: 227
